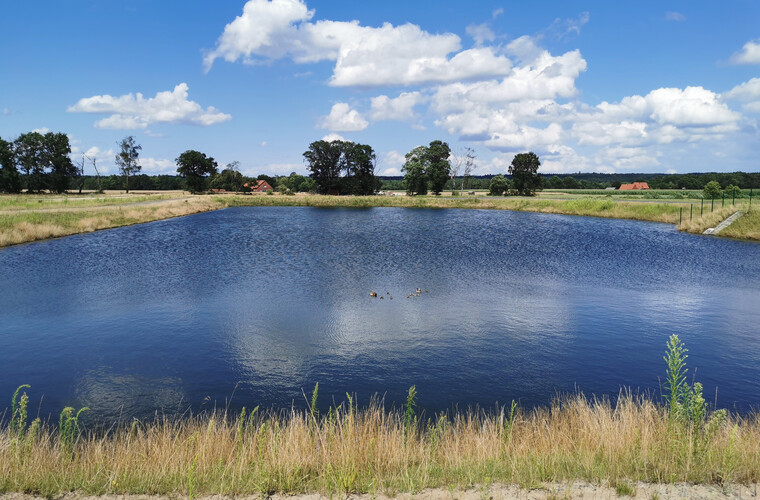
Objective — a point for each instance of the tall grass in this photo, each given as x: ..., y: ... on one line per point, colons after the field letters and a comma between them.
x: 372, y: 450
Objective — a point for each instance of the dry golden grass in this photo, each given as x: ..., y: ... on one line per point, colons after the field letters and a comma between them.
x: 374, y: 451
x: 32, y: 225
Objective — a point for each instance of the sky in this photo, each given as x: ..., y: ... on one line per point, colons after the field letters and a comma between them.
x: 648, y: 86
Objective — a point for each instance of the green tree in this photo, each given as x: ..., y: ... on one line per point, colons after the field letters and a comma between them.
x: 359, y: 164
x: 229, y: 179
x: 127, y: 158
x: 732, y: 191
x: 56, y: 158
x: 524, y: 171
x: 10, y: 179
x: 570, y: 183
x: 323, y: 160
x: 438, y: 167
x: 342, y: 166
x: 712, y: 190
x: 29, y: 150
x: 414, y: 171
x: 195, y: 167
x: 554, y: 182
x: 498, y: 186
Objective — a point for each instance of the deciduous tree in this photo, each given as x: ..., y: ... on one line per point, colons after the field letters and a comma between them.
x: 127, y: 159
x: 437, y: 165
x: 195, y: 167
x: 10, y: 179
x: 498, y: 186
x: 323, y: 160
x: 29, y: 151
x: 414, y: 171
x: 712, y: 190
x: 524, y: 171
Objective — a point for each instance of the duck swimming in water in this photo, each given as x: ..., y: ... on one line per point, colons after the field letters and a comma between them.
x: 373, y: 294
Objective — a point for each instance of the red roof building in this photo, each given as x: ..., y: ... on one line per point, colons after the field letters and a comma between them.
x: 259, y: 186
x: 634, y: 187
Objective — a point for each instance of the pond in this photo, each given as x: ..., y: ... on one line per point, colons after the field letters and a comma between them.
x: 253, y: 306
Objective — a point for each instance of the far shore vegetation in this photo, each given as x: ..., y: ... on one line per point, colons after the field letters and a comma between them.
x: 48, y: 195
x: 366, y: 448
x: 26, y: 218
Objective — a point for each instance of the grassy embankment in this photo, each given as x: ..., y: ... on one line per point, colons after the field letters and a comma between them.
x: 374, y: 451
x: 36, y: 217
x: 586, y: 206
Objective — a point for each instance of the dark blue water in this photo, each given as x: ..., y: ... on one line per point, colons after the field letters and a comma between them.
x: 175, y: 314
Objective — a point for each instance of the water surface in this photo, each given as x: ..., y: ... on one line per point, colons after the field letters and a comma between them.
x: 176, y: 314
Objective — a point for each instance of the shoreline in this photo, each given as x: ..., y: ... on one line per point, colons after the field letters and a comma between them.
x: 31, y: 223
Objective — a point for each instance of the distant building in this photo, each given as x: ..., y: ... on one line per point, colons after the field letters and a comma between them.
x: 259, y: 186
x: 634, y: 187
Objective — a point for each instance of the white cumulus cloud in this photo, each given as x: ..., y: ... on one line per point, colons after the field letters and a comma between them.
x: 133, y: 111
x: 363, y: 55
x: 343, y: 119
x: 750, y: 53
x: 333, y: 138
x: 400, y: 108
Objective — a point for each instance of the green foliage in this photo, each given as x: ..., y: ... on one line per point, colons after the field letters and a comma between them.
x: 10, y: 179
x: 675, y: 375
x: 229, y: 179
x: 438, y: 168
x: 712, y: 190
x: 427, y: 166
x: 313, y: 410
x: 127, y: 158
x: 68, y: 427
x: 732, y: 191
x: 686, y: 404
x: 19, y: 412
x: 341, y: 167
x: 498, y: 186
x: 415, y: 177
x: 524, y: 171
x: 195, y: 167
x: 410, y: 417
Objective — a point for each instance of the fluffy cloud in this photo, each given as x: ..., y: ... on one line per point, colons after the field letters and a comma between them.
x: 156, y: 166
x: 136, y: 112
x: 333, y: 138
x: 400, y: 108
x: 748, y: 93
x: 343, y: 119
x: 364, y: 56
x: 481, y: 33
x: 750, y: 53
x: 691, y: 106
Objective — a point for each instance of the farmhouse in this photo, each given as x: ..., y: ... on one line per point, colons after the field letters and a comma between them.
x: 634, y: 187
x: 259, y: 187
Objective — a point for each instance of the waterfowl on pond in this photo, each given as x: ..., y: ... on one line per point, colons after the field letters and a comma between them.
x: 373, y: 294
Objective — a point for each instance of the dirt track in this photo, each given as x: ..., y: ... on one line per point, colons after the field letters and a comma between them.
x: 579, y: 490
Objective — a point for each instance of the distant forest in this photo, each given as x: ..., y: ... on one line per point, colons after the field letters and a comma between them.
x: 551, y: 181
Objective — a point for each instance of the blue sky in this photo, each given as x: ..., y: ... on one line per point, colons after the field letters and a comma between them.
x: 588, y: 86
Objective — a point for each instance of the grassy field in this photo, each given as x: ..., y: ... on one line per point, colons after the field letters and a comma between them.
x: 36, y: 217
